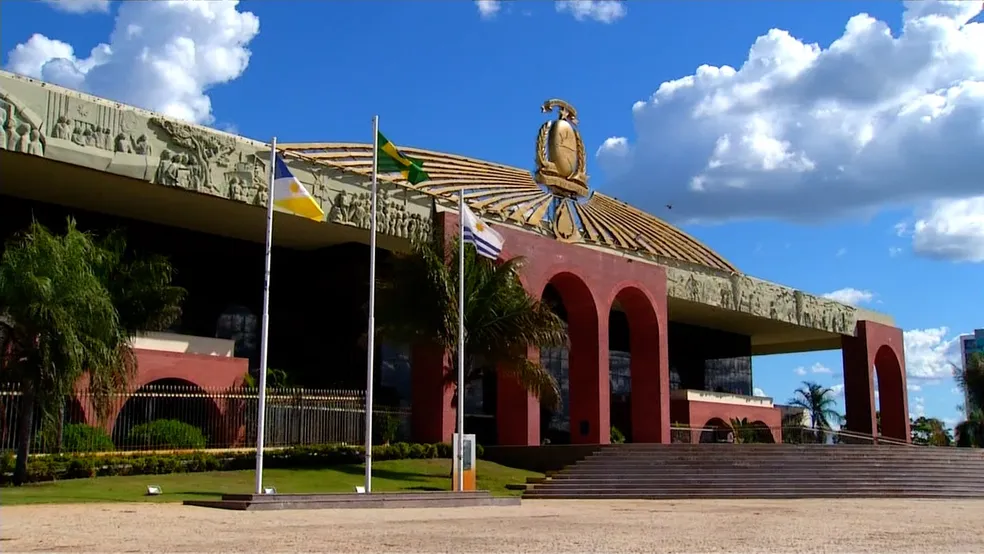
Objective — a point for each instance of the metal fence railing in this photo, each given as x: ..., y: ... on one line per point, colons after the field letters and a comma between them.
x: 762, y: 434
x: 188, y: 417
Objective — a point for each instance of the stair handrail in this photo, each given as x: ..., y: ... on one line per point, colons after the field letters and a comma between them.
x: 842, y: 433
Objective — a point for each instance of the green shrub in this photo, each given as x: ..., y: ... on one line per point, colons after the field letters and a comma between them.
x: 64, y: 466
x: 617, y: 437
x: 166, y: 433
x: 78, y: 437
x: 389, y: 428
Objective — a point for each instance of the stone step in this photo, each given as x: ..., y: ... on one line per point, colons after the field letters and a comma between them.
x: 800, y: 467
x: 436, y: 499
x: 739, y: 451
x: 767, y: 471
x: 757, y: 495
x: 755, y: 477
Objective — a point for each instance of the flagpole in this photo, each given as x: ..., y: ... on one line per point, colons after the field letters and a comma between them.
x: 460, y: 451
x: 265, y: 330
x: 372, y: 302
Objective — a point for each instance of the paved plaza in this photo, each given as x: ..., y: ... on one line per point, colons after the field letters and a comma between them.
x: 536, y: 526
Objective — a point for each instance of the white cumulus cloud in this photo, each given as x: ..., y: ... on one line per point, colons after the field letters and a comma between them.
x: 820, y: 368
x: 801, y: 130
x: 758, y: 392
x: 604, y: 11
x: 953, y: 230
x: 162, y: 56
x: 930, y: 353
x: 851, y: 296
x: 800, y: 370
x: 917, y: 406
x: 487, y: 9
x: 79, y: 6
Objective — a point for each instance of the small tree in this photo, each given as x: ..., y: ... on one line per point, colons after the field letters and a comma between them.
x: 744, y: 432
x: 69, y: 306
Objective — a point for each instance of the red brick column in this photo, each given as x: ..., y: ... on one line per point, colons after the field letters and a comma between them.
x: 433, y: 416
x: 517, y: 411
x: 875, y: 347
x: 590, y: 392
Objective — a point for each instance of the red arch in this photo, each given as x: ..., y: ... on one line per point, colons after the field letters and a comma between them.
x: 212, y: 426
x: 589, y: 400
x: 764, y: 434
x: 714, y: 430
x: 647, y: 398
x: 891, y: 394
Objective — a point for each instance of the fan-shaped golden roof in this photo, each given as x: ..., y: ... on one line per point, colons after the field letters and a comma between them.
x: 554, y: 201
x: 510, y: 194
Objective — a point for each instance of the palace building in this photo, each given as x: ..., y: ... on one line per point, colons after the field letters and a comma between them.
x: 662, y: 329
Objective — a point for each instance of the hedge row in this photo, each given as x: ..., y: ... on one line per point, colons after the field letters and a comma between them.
x: 58, y: 467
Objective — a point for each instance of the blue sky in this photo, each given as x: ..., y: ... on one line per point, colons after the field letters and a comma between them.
x: 840, y: 155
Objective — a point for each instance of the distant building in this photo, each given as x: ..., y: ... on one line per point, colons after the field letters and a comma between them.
x: 802, y: 415
x: 971, y: 344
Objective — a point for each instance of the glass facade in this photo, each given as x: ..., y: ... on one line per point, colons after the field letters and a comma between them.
x: 557, y: 422
x: 394, y: 375
x: 708, y: 359
x: 972, y: 344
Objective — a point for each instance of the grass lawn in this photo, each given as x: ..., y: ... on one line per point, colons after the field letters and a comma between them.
x: 392, y: 475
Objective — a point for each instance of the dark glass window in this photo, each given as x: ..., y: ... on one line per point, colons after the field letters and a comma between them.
x: 556, y: 361
x: 394, y: 374
x: 708, y: 359
x: 239, y: 324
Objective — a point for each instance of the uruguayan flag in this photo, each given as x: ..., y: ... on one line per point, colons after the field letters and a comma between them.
x: 487, y: 242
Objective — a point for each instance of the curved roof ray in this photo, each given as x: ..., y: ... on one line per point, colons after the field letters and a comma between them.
x: 511, y: 195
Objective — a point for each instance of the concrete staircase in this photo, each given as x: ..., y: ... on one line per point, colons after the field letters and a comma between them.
x: 653, y: 471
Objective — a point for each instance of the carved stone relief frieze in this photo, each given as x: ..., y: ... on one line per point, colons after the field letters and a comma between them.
x: 760, y: 298
x: 20, y: 129
x: 196, y: 160
x: 392, y: 216
x: 90, y: 125
x: 246, y: 180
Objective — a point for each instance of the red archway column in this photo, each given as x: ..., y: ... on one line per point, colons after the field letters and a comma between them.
x: 587, y: 329
x: 649, y: 367
x: 892, y: 394
x: 517, y: 411
x: 875, y: 345
x: 433, y: 416
x: 590, y: 387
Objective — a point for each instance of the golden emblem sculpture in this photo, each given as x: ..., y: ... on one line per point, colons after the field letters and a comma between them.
x: 560, y: 156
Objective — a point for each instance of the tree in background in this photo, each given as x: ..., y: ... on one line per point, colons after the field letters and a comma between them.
x: 929, y: 431
x: 502, y: 321
x: 970, y: 379
x: 819, y: 402
x: 69, y: 307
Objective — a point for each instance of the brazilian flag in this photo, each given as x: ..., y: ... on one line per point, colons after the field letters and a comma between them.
x: 391, y: 160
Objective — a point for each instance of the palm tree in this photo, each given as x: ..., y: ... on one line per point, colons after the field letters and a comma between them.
x: 819, y: 401
x: 420, y: 304
x: 971, y: 380
x: 69, y: 306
